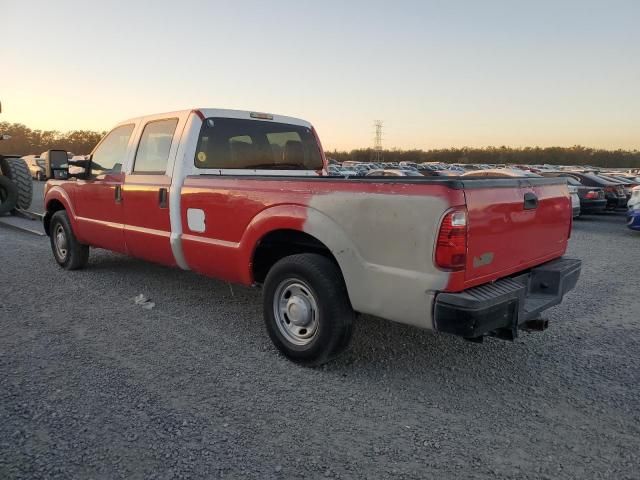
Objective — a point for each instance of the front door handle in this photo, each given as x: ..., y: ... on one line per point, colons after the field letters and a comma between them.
x: 118, y: 193
x: 162, y: 198
x: 530, y: 201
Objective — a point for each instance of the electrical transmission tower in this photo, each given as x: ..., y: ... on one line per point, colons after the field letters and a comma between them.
x: 377, y: 141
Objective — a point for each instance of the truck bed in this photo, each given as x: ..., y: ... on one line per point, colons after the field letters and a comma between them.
x: 382, y: 231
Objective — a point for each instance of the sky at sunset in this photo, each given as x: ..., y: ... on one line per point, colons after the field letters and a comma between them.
x: 438, y: 73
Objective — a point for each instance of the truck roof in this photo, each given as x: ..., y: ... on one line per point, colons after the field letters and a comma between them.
x: 226, y: 113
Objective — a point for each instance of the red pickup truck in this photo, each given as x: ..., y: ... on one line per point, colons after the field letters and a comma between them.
x: 245, y: 197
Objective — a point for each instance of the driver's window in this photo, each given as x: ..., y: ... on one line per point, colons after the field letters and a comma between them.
x: 112, y: 151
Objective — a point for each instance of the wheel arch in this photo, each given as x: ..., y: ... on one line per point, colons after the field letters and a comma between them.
x: 56, y: 200
x: 283, y: 242
x: 302, y: 229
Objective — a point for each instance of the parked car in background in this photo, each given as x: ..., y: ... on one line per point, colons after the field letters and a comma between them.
x: 500, y: 172
x: 393, y: 172
x: 613, y: 192
x: 633, y: 212
x: 440, y: 173
x: 592, y: 199
x: 408, y: 164
x: 575, y: 200
x: 338, y: 171
x: 36, y: 167
x: 627, y: 185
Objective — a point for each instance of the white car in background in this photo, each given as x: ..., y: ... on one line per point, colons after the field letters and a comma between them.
x: 36, y: 167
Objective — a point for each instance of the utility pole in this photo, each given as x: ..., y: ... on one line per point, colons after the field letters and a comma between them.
x: 377, y: 141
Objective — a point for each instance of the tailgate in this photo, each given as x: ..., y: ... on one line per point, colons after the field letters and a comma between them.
x: 514, y: 224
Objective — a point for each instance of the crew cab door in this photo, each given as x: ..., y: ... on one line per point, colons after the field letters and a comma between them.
x: 146, y: 193
x: 98, y: 199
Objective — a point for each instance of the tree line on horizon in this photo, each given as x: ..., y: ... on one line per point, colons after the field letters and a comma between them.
x: 25, y: 141
x: 576, y: 155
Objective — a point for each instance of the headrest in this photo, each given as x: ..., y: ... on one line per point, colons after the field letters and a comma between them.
x: 293, y: 152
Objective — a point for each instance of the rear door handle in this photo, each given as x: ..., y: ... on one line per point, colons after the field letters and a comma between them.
x: 118, y: 193
x: 530, y: 201
x: 162, y: 198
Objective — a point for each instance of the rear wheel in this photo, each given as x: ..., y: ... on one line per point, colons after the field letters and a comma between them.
x: 306, y: 309
x: 68, y: 252
x: 16, y: 169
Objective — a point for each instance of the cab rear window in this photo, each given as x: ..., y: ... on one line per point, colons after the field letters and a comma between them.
x: 230, y: 143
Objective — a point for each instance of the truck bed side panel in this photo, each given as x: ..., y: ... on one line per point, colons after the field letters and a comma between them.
x: 381, y: 234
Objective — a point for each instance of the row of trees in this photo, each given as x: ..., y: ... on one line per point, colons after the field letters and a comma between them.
x: 25, y: 141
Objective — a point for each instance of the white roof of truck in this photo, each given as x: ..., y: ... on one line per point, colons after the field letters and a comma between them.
x: 225, y: 113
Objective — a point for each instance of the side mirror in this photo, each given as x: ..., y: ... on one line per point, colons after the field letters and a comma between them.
x: 55, y: 164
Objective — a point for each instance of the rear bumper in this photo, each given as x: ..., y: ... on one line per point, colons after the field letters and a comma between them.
x: 592, y: 205
x: 500, y: 308
x: 616, y: 202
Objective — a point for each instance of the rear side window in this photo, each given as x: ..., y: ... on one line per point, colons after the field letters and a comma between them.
x: 232, y: 143
x: 111, y: 152
x: 154, y: 147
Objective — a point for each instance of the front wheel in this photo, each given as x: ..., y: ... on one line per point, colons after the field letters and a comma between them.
x: 306, y: 309
x: 68, y: 252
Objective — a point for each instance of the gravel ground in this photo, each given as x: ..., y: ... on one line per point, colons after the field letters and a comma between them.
x: 93, y: 386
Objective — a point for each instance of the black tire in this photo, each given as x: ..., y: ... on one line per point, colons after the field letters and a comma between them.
x: 321, y: 283
x: 68, y: 252
x: 8, y: 195
x: 17, y: 170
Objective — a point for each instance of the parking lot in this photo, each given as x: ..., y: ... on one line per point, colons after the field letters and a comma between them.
x: 93, y: 386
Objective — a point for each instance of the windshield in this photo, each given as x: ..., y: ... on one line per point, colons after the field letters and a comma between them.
x: 232, y: 143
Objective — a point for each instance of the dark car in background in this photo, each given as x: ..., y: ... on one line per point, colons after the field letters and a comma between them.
x: 592, y: 199
x: 613, y: 191
x: 627, y: 183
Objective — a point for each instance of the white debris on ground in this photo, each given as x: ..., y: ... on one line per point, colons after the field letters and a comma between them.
x: 144, y: 302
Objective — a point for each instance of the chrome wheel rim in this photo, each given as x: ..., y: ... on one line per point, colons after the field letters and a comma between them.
x: 296, y: 312
x: 60, y: 242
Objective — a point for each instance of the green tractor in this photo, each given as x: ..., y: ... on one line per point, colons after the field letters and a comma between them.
x: 16, y: 187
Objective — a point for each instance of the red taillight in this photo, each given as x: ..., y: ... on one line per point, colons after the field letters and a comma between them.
x: 451, y: 247
x: 592, y: 195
